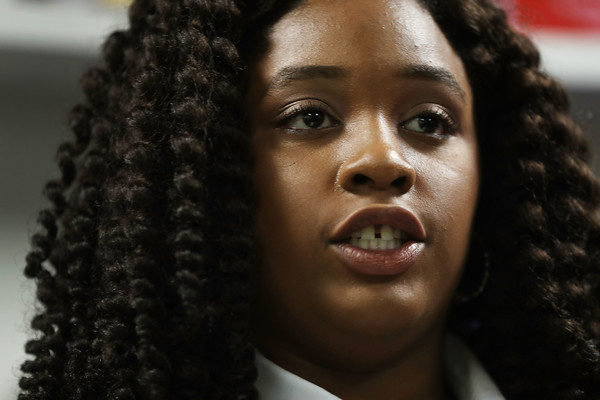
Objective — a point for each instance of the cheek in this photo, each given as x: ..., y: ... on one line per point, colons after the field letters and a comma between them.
x: 287, y: 186
x: 451, y: 183
x: 290, y: 207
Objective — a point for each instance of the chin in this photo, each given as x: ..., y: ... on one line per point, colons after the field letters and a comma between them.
x: 364, y: 330
x: 363, y: 347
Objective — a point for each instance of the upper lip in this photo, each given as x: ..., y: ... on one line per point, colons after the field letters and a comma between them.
x: 395, y: 216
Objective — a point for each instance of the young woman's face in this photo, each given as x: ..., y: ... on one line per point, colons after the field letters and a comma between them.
x: 358, y: 104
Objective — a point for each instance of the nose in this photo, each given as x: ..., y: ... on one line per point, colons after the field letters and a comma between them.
x: 377, y: 166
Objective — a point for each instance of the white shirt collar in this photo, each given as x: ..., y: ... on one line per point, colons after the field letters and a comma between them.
x: 465, y: 374
x: 276, y: 383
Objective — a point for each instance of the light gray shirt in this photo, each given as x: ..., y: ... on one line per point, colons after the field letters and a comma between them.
x: 466, y: 376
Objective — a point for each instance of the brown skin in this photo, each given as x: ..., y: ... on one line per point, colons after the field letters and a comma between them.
x: 360, y: 336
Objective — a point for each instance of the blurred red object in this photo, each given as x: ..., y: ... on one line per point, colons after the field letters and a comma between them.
x: 564, y: 15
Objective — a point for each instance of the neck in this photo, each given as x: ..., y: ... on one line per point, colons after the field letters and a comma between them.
x: 416, y: 373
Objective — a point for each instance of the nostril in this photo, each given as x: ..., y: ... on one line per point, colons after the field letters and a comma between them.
x: 359, y: 179
x: 399, y: 182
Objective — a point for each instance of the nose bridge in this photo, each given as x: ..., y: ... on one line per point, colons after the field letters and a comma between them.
x: 377, y: 161
x: 381, y: 142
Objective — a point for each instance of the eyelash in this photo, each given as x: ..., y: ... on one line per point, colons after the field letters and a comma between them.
x: 298, y: 109
x: 450, y: 126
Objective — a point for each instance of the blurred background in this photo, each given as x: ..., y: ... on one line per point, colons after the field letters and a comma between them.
x: 46, y: 45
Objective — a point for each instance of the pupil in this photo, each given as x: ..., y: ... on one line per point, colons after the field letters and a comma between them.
x: 313, y: 119
x: 428, y: 124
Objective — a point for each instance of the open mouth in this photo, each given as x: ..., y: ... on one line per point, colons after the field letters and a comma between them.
x: 379, y: 240
x: 377, y: 237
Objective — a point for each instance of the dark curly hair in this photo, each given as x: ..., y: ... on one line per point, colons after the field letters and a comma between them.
x: 145, y: 261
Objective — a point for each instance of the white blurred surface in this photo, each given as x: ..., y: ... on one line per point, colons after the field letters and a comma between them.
x: 573, y: 59
x: 73, y: 26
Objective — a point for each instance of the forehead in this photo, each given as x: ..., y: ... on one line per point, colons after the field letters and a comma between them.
x: 361, y: 35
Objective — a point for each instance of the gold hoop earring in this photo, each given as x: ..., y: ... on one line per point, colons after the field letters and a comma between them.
x: 463, y: 298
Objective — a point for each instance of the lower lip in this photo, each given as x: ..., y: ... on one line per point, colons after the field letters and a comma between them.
x: 379, y: 262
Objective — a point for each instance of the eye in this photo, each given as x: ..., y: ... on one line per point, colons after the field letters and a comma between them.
x: 304, y: 117
x: 432, y: 122
x: 425, y: 124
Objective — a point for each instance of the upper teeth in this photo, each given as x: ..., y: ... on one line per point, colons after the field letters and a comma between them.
x: 378, y: 237
x: 385, y: 232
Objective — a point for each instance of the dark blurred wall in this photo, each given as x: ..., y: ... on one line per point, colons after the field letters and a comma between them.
x: 36, y: 92
x: 585, y: 108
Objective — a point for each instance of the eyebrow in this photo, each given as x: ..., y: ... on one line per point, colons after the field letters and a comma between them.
x: 436, y: 74
x: 286, y: 76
